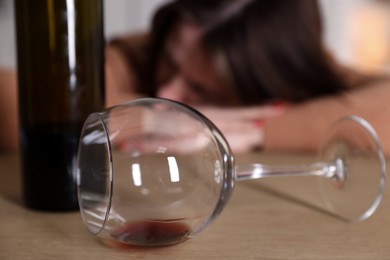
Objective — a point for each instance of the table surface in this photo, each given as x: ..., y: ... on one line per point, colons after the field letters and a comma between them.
x: 274, y: 218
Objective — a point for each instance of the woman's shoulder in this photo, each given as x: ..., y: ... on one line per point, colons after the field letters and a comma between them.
x: 133, y: 46
x: 356, y: 78
x: 127, y: 59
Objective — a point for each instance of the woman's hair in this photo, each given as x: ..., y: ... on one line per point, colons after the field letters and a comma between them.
x: 266, y: 49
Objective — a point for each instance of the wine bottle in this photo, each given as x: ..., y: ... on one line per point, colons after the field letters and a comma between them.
x: 60, y: 63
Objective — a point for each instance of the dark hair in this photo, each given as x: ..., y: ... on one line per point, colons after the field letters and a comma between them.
x: 272, y: 49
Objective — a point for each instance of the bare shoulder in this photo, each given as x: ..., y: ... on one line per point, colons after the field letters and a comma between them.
x: 360, y: 79
x: 125, y: 68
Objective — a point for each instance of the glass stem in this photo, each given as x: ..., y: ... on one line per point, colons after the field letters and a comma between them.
x: 257, y: 171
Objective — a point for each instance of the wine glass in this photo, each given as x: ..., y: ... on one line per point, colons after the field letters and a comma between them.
x: 155, y: 172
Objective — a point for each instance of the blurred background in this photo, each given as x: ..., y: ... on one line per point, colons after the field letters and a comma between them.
x: 356, y: 31
x: 121, y: 17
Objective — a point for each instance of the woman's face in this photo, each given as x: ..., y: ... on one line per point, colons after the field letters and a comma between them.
x: 193, y: 79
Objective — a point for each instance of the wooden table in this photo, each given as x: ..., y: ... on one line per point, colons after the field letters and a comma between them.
x: 265, y: 219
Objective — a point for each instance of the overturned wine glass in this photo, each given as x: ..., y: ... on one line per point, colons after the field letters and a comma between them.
x: 155, y: 172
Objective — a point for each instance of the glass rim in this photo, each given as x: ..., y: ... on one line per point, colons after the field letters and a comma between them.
x: 97, y: 117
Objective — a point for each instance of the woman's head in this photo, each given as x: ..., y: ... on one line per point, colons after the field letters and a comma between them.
x: 241, y: 52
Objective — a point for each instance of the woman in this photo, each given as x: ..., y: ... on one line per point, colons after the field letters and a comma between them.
x: 251, y: 56
x: 259, y: 50
x: 257, y: 68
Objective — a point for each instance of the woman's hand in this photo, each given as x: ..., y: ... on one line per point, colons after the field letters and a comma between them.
x: 243, y: 126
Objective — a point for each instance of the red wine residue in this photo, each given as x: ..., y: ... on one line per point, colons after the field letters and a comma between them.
x: 152, y: 233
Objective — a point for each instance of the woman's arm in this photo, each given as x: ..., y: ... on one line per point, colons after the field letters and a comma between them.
x: 303, y: 126
x: 8, y: 110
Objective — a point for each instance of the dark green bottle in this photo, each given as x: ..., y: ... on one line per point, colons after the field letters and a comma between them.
x: 61, y: 80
